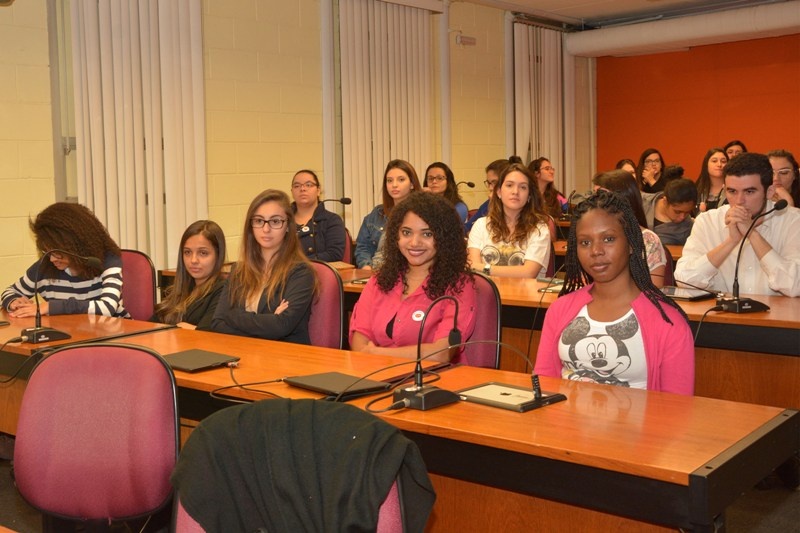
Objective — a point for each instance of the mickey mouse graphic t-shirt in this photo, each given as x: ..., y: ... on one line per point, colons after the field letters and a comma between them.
x: 611, y: 353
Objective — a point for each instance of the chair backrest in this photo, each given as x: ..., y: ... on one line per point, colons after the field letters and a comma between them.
x: 98, y: 435
x: 138, y: 284
x: 247, y: 467
x: 348, y: 247
x: 669, y: 271
x: 326, y: 324
x: 551, y: 265
x: 487, y: 327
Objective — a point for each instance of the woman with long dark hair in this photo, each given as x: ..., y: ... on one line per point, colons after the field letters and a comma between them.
x: 610, y: 324
x: 192, y: 299
x: 711, y: 182
x: 425, y: 258
x: 439, y: 179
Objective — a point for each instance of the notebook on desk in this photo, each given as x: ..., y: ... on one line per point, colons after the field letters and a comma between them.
x: 335, y: 383
x: 198, y: 360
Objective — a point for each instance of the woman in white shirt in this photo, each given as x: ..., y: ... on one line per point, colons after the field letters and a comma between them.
x: 513, y: 240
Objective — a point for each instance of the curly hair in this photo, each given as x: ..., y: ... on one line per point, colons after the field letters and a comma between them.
x: 451, y: 192
x: 529, y: 218
x: 252, y: 275
x: 449, y: 270
x: 74, y: 229
x: 576, y: 277
x: 184, y: 291
x: 550, y: 203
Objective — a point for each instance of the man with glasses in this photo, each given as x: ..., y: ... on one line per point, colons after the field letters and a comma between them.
x: 770, y: 260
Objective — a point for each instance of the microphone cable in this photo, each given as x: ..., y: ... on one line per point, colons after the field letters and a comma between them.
x: 550, y: 283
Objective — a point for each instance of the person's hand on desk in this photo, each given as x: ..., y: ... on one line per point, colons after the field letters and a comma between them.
x: 28, y: 308
x: 186, y: 325
x: 22, y: 300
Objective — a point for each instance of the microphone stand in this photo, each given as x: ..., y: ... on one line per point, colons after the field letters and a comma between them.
x: 37, y: 333
x: 746, y: 305
x: 424, y: 397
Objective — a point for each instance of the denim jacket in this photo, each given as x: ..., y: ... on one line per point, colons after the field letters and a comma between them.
x: 369, y: 236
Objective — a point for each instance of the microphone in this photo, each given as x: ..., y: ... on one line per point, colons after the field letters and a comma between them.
x: 568, y: 214
x: 747, y: 305
x: 469, y: 184
x: 424, y: 397
x: 38, y: 333
x: 344, y: 201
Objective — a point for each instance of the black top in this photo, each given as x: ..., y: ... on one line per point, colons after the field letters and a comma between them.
x: 322, y: 237
x: 201, y: 312
x: 290, y: 326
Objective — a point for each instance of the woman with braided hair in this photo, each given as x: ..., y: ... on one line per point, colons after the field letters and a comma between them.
x: 611, y: 324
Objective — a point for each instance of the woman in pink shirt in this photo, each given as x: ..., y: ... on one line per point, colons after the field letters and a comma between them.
x: 425, y: 259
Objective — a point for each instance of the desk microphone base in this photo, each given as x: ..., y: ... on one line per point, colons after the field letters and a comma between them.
x: 425, y: 398
x: 741, y: 305
x: 37, y: 335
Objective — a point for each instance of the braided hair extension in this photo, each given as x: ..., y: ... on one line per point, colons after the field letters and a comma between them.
x: 575, y: 277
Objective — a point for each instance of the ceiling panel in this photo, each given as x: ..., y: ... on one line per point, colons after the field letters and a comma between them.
x: 598, y: 13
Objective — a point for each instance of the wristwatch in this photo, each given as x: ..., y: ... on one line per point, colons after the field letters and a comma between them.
x: 487, y: 269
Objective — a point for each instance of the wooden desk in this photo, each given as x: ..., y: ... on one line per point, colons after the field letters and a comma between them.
x: 608, y: 456
x: 752, y: 358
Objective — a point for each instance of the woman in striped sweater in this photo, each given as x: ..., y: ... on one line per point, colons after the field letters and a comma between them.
x: 82, y: 272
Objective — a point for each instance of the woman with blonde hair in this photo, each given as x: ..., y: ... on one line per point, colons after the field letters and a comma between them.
x: 270, y: 290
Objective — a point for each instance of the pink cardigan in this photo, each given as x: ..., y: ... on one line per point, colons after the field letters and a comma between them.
x: 668, y: 349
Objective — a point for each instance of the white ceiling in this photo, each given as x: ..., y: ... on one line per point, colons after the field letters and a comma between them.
x: 600, y: 13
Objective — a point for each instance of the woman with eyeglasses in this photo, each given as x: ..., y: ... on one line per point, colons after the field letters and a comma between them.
x: 82, y: 272
x: 439, y: 179
x: 399, y: 181
x: 711, y: 182
x: 322, y: 234
x: 493, y: 171
x: 269, y: 291
x: 191, y: 301
x: 785, y: 177
x: 650, y: 171
x: 513, y: 241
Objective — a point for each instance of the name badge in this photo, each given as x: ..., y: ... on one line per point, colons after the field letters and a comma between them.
x: 418, y: 315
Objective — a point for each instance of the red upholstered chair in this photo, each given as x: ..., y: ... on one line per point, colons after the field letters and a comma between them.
x: 328, y: 465
x: 98, y: 435
x: 348, y: 247
x: 487, y: 326
x: 138, y: 284
x: 669, y: 271
x: 326, y: 324
x: 390, y: 517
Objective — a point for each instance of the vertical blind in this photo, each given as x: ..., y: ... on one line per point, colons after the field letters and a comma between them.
x: 140, y: 126
x: 538, y: 95
x: 387, y: 96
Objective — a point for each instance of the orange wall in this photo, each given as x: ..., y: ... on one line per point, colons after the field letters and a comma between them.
x: 684, y: 103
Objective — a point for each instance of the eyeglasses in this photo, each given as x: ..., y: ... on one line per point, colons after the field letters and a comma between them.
x: 55, y: 255
x: 782, y: 172
x: 437, y: 178
x: 274, y: 223
x: 490, y: 184
x: 548, y: 168
x: 306, y: 185
x: 652, y: 161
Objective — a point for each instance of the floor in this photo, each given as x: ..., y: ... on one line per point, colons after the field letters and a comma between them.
x: 772, y: 508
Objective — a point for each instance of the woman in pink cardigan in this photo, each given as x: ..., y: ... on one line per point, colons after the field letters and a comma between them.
x: 611, y: 324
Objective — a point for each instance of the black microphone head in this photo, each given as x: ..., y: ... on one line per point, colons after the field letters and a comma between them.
x: 780, y: 204
x: 346, y: 201
x: 471, y: 185
x: 94, y: 262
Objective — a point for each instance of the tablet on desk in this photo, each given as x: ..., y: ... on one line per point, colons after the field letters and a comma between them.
x: 198, y: 360
x: 689, y: 295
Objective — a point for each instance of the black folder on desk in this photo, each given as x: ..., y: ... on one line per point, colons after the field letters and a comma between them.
x: 198, y: 360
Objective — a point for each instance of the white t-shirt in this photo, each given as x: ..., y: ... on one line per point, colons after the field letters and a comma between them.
x: 507, y: 254
x: 604, y: 352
